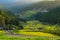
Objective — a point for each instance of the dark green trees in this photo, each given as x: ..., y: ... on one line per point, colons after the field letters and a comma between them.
x: 9, y: 21
x: 53, y: 16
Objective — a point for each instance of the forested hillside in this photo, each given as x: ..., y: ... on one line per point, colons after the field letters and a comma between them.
x: 53, y: 16
x: 38, y: 17
x: 44, y: 5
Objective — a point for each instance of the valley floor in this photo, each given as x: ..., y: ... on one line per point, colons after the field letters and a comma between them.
x: 28, y: 36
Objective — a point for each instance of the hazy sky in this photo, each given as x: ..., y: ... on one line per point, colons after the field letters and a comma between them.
x: 12, y: 1
x: 6, y: 3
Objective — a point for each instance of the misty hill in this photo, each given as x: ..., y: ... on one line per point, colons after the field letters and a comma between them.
x: 23, y: 6
x: 43, y: 5
x: 29, y: 11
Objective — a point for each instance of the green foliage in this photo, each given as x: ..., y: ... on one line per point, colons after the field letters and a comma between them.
x: 53, y: 16
x: 9, y: 37
x: 39, y: 26
x: 9, y: 21
x: 34, y: 20
x: 28, y: 15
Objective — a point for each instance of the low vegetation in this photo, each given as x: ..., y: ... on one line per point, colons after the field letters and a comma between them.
x: 3, y: 36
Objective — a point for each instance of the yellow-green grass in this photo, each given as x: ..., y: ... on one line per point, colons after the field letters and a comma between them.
x: 1, y: 31
x: 35, y: 33
x: 5, y: 37
x: 32, y: 33
x: 17, y: 38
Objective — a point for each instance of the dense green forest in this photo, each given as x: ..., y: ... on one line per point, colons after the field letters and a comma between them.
x: 46, y: 21
x: 53, y: 16
x: 31, y: 19
x: 9, y: 21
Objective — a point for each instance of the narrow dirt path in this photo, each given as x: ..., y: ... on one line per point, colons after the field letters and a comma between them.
x: 21, y: 35
x: 28, y: 36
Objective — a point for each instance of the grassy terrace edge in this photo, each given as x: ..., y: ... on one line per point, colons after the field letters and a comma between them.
x: 3, y: 36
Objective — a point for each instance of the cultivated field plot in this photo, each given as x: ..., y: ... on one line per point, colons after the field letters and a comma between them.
x: 28, y: 36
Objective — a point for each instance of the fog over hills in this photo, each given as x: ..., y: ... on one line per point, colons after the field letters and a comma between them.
x: 28, y: 4
x: 10, y: 3
x: 44, y: 5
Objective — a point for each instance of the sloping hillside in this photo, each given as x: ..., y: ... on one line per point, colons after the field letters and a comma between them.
x: 43, y: 5
x: 29, y: 12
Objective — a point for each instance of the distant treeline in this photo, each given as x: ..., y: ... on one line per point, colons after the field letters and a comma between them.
x: 53, y: 16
